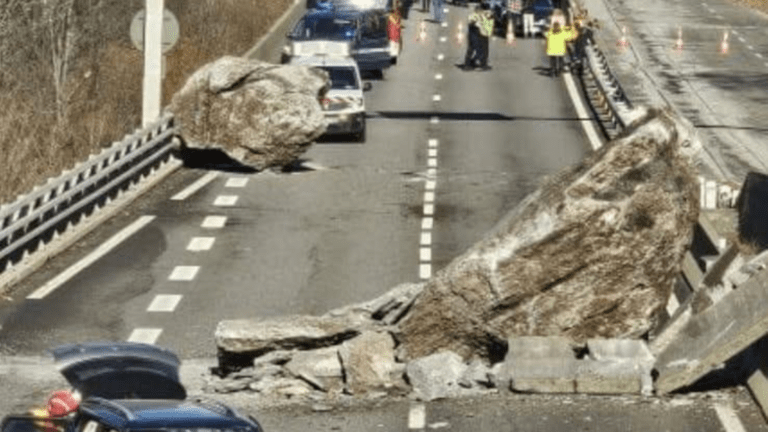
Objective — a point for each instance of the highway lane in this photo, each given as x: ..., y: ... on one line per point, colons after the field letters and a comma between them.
x: 344, y: 230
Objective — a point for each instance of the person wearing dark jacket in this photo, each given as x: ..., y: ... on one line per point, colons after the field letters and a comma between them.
x: 473, y: 39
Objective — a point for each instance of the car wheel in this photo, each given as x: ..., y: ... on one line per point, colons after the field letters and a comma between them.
x: 360, y: 136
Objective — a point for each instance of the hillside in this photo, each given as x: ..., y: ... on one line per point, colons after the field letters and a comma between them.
x: 70, y: 78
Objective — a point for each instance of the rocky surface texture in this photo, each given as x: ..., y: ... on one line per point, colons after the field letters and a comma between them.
x: 593, y: 253
x: 260, y: 114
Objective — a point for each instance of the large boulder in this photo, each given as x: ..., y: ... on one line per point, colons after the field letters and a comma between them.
x: 260, y: 114
x: 593, y: 253
x: 369, y: 364
x: 436, y: 376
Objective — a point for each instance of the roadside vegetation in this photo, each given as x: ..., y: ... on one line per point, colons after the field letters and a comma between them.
x: 70, y: 78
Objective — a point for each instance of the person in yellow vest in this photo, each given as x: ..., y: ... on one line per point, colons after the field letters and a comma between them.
x: 486, y: 32
x: 555, y: 39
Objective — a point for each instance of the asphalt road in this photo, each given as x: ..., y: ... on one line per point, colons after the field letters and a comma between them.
x: 352, y: 222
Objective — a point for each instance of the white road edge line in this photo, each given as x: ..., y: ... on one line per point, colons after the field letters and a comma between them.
x: 417, y: 416
x: 581, y: 112
x: 91, y: 258
x: 729, y: 419
x: 196, y: 186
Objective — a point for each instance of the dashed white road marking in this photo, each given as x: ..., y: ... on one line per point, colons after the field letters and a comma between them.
x: 425, y: 271
x: 214, y: 222
x: 440, y: 57
x: 425, y: 254
x: 718, y: 16
x: 443, y: 24
x: 438, y: 76
x: 434, y: 119
x: 198, y: 244
x: 728, y: 418
x: 432, y: 142
x: 426, y: 239
x: 196, y: 186
x: 431, y: 172
x: 236, y: 182
x: 438, y: 425
x: 742, y: 39
x: 429, y: 197
x: 429, y: 209
x: 443, y: 38
x: 225, y: 200
x: 736, y: 32
x: 184, y: 273
x: 427, y: 223
x: 417, y: 416
x: 432, y: 152
x: 446, y: 10
x: 750, y: 47
x: 766, y: 64
x: 758, y: 55
x: 432, y: 162
x: 164, y: 303
x: 436, y: 98
x: 430, y: 185
x: 91, y: 258
x: 145, y: 335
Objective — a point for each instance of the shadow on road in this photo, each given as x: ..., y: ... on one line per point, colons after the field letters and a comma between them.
x: 461, y: 116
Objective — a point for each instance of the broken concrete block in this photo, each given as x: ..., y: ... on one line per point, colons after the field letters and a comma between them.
x: 369, y: 364
x: 538, y: 347
x: 619, y: 349
x: 546, y: 375
x: 714, y: 335
x: 610, y: 377
x: 436, y: 376
x: 320, y: 367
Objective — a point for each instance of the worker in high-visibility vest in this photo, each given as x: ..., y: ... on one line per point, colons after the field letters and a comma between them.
x: 555, y: 40
x: 486, y: 32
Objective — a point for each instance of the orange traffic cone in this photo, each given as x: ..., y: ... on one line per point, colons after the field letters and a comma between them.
x: 510, y: 33
x: 724, y: 43
x: 422, y: 32
x: 679, y: 41
x: 623, y: 40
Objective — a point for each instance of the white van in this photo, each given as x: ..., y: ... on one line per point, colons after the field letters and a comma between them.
x: 344, y: 103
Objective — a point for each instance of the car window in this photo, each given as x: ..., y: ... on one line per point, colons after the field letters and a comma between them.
x: 343, y: 78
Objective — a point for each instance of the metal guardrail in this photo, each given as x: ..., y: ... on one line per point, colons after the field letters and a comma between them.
x: 40, y: 215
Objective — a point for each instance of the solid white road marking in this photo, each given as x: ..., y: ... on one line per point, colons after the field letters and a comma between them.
x: 214, y: 222
x: 427, y: 223
x: 164, y: 303
x: 440, y: 57
x: 429, y: 197
x: 728, y: 418
x: 426, y: 239
x: 438, y: 76
x: 432, y: 152
x: 581, y: 112
x: 429, y: 209
x: 436, y: 98
x: 196, y: 186
x: 425, y: 271
x: 198, y: 244
x: 425, y: 254
x: 145, y: 335
x: 236, y: 182
x: 432, y: 142
x: 432, y: 162
x: 183, y: 273
x: 225, y: 200
x: 430, y: 185
x: 91, y: 258
x: 417, y: 416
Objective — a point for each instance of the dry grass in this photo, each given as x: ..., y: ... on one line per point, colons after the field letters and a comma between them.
x: 104, y: 79
x: 758, y: 5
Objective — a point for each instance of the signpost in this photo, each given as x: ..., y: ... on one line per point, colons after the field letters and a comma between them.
x: 154, y: 31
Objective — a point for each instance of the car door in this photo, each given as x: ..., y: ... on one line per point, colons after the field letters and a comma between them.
x: 371, y: 50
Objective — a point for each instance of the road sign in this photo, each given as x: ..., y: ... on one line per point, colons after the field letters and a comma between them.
x: 170, y: 30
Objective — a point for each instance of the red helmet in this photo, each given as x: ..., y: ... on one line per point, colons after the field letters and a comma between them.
x: 62, y: 402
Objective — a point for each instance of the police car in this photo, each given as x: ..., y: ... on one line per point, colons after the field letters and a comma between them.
x: 129, y: 387
x: 344, y: 103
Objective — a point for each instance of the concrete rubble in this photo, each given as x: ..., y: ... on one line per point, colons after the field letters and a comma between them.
x: 260, y: 114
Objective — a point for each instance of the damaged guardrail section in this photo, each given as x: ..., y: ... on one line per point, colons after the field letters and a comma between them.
x: 48, y: 210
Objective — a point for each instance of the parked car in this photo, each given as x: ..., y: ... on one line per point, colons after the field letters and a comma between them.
x: 130, y: 387
x: 361, y: 5
x: 359, y: 34
x: 344, y: 103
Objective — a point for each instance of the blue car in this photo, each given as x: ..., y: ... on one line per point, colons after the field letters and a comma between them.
x: 361, y: 35
x: 128, y: 387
